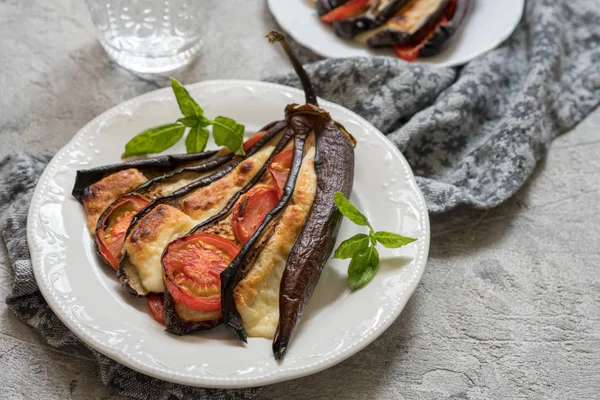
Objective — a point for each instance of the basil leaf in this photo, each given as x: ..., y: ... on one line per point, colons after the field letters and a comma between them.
x: 229, y: 133
x: 349, y: 211
x: 392, y: 240
x: 195, y: 142
x: 190, y: 122
x: 349, y: 247
x: 187, y: 105
x: 154, y: 140
x: 363, y: 267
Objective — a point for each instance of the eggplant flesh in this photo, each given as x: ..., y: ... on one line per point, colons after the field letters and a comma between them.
x: 373, y: 18
x: 407, y: 24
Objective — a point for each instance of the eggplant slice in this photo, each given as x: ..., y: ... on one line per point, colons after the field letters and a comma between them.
x: 175, y: 214
x: 443, y: 35
x: 161, y: 206
x: 87, y: 177
x: 106, y: 240
x: 333, y: 169
x: 376, y: 16
x: 406, y: 25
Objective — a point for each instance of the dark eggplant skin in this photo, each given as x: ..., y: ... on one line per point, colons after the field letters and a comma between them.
x: 235, y: 272
x: 350, y: 27
x: 444, y: 34
x: 178, y: 327
x: 389, y: 37
x: 324, y: 6
x: 87, y: 177
x: 334, y: 168
x: 172, y: 198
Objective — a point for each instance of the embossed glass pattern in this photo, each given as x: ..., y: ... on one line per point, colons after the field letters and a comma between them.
x: 149, y: 35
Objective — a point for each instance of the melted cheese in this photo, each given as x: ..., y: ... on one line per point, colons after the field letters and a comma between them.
x: 257, y: 295
x: 408, y: 19
x: 146, y: 243
x: 170, y: 185
x: 152, y: 234
x: 101, y: 194
x: 188, y: 315
x: 209, y: 200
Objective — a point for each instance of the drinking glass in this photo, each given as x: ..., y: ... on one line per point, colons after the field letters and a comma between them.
x: 149, y: 35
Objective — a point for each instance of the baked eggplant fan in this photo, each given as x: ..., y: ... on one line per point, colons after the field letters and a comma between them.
x: 220, y: 237
x: 414, y: 28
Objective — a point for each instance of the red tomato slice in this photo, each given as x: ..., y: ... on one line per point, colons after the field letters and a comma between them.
x: 280, y: 168
x: 411, y: 52
x: 192, y: 266
x: 253, y: 140
x: 250, y: 211
x: 110, y: 239
x: 156, y: 303
x: 350, y: 9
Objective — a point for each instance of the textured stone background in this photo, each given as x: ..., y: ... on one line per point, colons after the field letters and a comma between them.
x: 509, y: 306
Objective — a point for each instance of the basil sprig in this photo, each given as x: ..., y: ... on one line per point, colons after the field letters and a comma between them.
x: 226, y: 131
x: 362, y: 248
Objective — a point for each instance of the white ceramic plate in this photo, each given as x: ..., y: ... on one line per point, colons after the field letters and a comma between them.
x: 488, y: 24
x: 89, y: 300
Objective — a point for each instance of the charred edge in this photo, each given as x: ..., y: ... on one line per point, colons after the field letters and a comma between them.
x: 176, y: 326
x: 350, y: 27
x: 334, y: 167
x: 208, y: 179
x: 204, y: 167
x: 280, y: 146
x: 233, y: 274
x: 444, y: 34
x: 325, y: 6
x: 391, y: 37
x: 87, y: 177
x: 124, y: 279
x: 309, y: 92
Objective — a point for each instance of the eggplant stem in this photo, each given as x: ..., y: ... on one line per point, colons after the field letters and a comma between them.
x: 309, y: 92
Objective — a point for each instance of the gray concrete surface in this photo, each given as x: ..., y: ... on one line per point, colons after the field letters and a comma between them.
x: 509, y: 306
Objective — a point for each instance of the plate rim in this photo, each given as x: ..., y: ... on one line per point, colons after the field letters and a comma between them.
x: 422, y: 61
x: 289, y: 373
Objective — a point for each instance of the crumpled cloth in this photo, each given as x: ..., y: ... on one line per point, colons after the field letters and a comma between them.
x: 472, y: 136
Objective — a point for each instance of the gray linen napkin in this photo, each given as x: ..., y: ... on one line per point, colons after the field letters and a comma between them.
x: 472, y: 136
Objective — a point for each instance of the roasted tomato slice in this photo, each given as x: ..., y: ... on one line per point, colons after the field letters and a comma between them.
x: 156, y: 303
x: 250, y: 211
x: 111, y: 229
x: 411, y: 52
x: 253, y: 140
x: 280, y: 168
x: 192, y: 266
x: 350, y: 9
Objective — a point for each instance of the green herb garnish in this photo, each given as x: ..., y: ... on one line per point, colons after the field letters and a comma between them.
x: 362, y: 248
x: 226, y: 131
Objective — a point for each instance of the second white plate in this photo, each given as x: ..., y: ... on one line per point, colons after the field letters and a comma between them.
x: 87, y: 297
x: 488, y: 24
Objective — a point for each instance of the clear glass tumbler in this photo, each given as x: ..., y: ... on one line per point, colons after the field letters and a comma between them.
x: 149, y: 35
